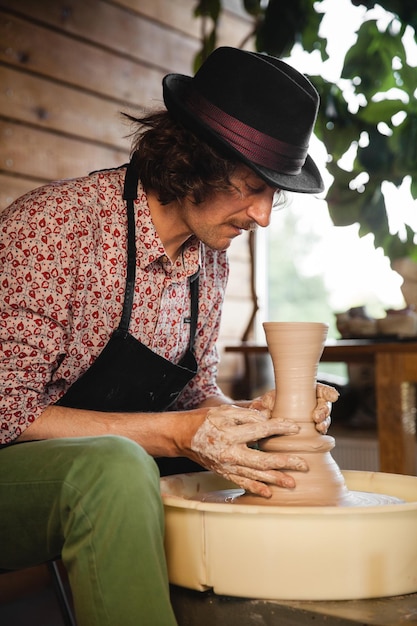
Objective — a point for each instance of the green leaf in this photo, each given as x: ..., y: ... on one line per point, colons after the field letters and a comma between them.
x: 253, y: 7
x: 407, y: 75
x: 373, y: 215
x: 343, y: 203
x: 208, y: 45
x: 370, y: 59
x: 286, y: 22
x: 376, y: 158
x: 208, y: 8
x: 404, y: 144
x: 382, y: 111
x: 413, y: 187
x: 335, y: 125
x: 308, y: 37
x: 395, y: 248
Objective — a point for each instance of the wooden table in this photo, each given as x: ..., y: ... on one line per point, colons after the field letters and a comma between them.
x: 395, y: 365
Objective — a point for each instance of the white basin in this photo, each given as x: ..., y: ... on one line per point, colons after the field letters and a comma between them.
x: 292, y: 553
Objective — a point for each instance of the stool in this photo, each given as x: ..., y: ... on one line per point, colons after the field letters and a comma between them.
x: 59, y: 590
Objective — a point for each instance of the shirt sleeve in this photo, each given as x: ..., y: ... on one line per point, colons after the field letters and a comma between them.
x: 34, y: 314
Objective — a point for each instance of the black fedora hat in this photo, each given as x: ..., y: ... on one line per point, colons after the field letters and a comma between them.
x: 258, y: 108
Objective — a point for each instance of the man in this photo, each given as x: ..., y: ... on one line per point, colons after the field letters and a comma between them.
x: 113, y: 286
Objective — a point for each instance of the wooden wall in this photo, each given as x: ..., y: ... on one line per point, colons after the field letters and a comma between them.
x: 67, y: 70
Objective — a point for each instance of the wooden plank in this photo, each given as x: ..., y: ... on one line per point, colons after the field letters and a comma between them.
x: 232, y: 28
x: 178, y: 15
x: 233, y: 32
x: 12, y: 187
x: 114, y: 27
x: 41, y: 102
x: 48, y: 156
x: 76, y: 63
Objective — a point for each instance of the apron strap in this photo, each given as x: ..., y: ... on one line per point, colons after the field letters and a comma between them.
x: 194, y: 284
x: 130, y: 193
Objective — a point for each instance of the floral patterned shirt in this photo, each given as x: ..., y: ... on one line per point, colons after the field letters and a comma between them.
x: 63, y: 261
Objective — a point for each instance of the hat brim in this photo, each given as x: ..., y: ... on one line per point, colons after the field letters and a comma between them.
x: 175, y: 90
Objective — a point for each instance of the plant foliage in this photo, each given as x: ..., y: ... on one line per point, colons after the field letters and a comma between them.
x: 382, y: 131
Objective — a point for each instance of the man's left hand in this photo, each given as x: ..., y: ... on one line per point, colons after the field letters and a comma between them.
x: 325, y: 396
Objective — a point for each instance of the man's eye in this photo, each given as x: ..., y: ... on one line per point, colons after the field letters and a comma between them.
x: 256, y: 190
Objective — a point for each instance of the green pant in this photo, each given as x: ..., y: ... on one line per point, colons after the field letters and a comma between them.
x: 95, y: 501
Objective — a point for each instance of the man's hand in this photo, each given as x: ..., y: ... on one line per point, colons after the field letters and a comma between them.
x: 222, y: 443
x: 325, y: 395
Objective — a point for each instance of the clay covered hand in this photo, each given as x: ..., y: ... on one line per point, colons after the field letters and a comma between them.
x: 325, y: 395
x: 222, y: 445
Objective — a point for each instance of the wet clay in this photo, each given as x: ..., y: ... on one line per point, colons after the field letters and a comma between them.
x: 295, y: 349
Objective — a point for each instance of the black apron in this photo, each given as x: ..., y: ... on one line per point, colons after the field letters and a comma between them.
x: 127, y: 376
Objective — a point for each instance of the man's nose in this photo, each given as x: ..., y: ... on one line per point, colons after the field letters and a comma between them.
x: 260, y: 211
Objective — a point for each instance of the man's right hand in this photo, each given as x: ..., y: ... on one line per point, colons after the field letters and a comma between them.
x: 222, y: 444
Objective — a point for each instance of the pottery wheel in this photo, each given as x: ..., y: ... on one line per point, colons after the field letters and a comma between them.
x: 353, y: 498
x: 367, y: 549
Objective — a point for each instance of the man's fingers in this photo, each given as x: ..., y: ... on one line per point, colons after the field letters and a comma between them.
x: 252, y: 486
x: 323, y: 426
x: 272, y: 477
x: 326, y: 392
x: 266, y: 401
x: 249, y: 462
x: 247, y: 433
x: 247, y: 425
x: 254, y: 431
x: 321, y: 411
x: 221, y: 444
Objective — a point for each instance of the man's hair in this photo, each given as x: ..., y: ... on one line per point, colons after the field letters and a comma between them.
x: 174, y: 162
